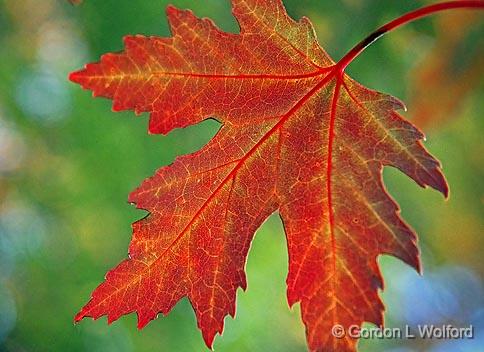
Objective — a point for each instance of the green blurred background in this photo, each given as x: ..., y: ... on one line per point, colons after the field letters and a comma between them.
x: 67, y: 164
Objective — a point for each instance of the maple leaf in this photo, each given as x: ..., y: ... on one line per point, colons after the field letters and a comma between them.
x: 298, y: 136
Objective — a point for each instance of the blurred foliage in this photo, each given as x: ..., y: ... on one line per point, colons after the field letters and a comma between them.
x: 451, y: 71
x: 67, y: 164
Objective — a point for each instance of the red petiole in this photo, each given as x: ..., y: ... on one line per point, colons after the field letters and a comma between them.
x: 408, y: 17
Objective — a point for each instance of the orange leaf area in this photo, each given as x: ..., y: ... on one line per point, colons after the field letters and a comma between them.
x: 298, y: 136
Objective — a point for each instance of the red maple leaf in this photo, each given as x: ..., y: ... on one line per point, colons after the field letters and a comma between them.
x: 298, y: 136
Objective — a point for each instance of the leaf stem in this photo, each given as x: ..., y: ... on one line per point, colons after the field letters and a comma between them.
x: 406, y: 18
